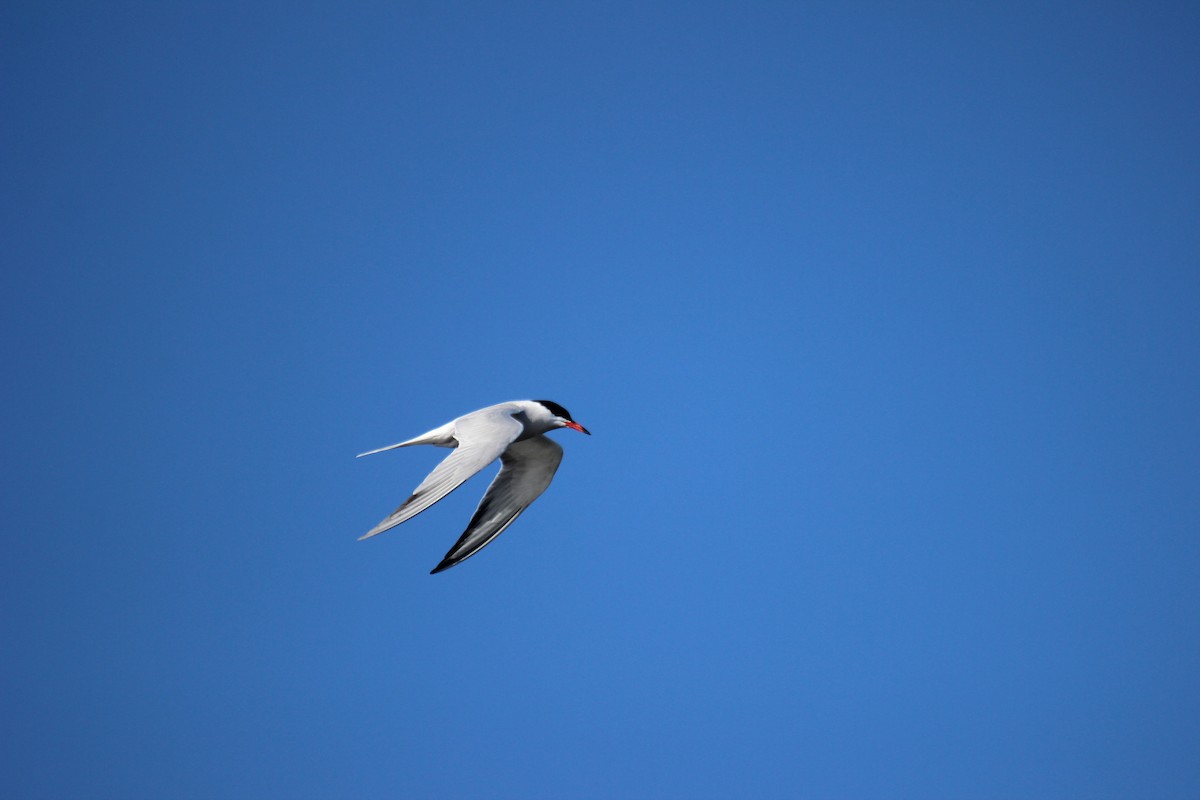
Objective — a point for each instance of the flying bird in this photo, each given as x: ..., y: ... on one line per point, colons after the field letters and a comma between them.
x: 511, y: 432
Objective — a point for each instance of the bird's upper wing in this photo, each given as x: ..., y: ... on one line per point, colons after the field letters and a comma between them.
x: 527, y: 469
x: 482, y: 436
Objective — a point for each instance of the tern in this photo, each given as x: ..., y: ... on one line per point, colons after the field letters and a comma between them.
x: 511, y: 432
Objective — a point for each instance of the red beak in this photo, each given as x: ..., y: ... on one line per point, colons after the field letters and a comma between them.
x: 577, y: 427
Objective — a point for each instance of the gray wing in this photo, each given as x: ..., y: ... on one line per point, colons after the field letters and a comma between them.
x: 528, y: 467
x: 482, y: 437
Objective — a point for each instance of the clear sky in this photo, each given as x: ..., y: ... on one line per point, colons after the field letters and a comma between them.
x: 885, y: 318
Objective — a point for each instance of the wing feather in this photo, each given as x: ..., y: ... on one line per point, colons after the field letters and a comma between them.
x: 527, y: 468
x: 482, y: 438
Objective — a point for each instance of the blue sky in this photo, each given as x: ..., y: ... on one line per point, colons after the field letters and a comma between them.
x: 883, y: 317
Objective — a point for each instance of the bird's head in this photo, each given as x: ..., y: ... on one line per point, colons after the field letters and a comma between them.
x: 562, y: 417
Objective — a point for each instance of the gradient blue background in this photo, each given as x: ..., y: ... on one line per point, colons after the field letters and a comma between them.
x: 884, y: 317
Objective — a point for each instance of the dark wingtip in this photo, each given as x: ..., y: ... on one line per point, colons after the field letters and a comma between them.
x: 442, y: 567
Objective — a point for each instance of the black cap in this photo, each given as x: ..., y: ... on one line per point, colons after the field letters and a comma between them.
x: 555, y: 409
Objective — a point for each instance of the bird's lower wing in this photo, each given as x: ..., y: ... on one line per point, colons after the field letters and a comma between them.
x: 479, y: 445
x: 528, y: 467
